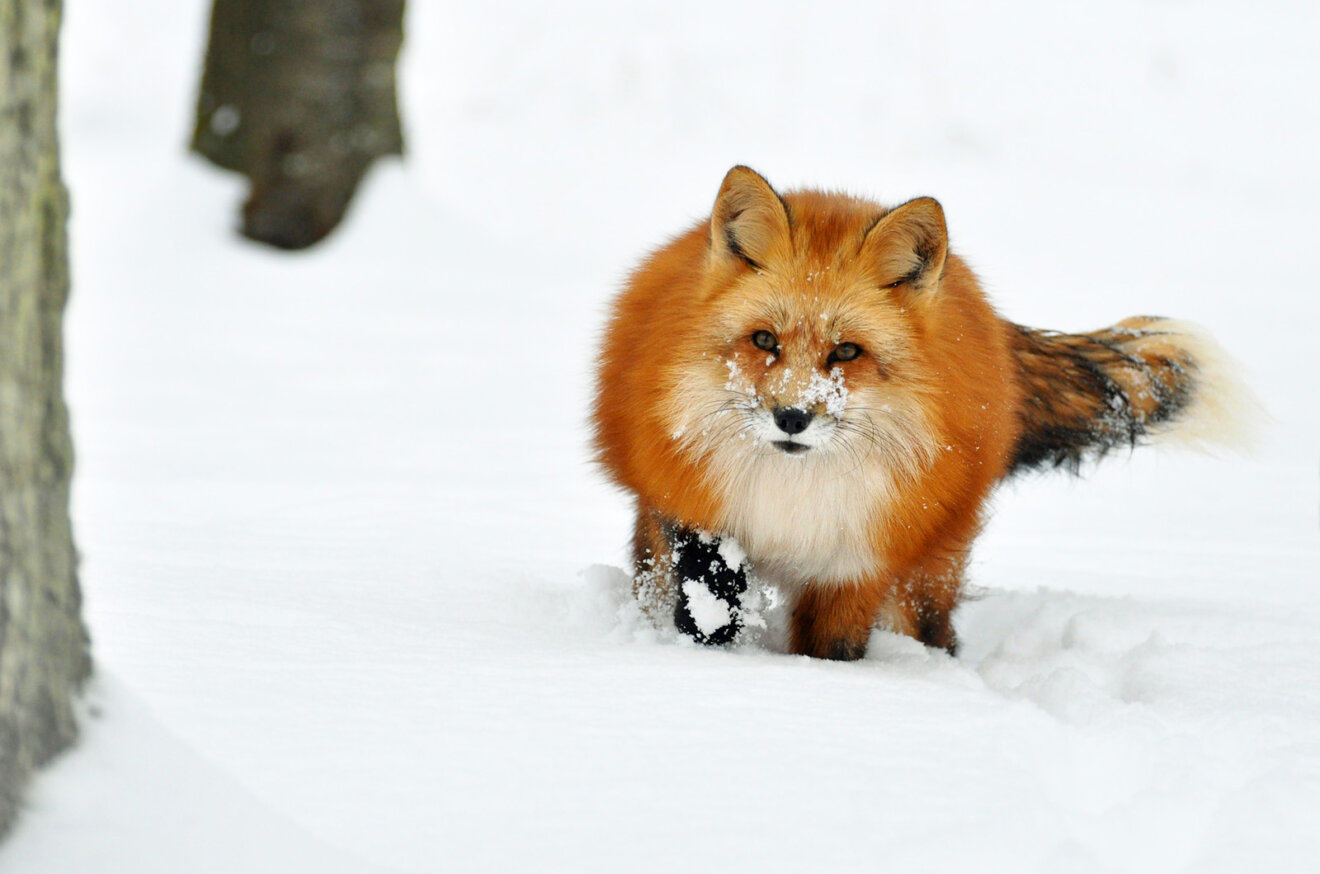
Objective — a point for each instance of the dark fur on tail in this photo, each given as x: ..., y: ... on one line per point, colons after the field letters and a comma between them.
x: 1085, y: 394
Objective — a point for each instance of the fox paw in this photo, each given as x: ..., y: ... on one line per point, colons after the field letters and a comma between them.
x: 709, y: 588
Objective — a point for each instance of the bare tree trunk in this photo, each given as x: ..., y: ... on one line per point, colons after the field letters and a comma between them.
x: 299, y: 96
x: 43, y: 645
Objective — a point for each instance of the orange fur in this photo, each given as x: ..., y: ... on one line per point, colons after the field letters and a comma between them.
x: 873, y: 515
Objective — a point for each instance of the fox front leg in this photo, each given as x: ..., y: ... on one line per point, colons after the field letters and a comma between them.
x: 834, y: 622
x: 710, y: 579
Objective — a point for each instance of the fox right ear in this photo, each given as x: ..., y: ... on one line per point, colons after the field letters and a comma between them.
x: 749, y: 222
x: 907, y: 246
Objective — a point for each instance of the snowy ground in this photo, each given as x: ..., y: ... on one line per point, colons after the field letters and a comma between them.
x: 352, y: 582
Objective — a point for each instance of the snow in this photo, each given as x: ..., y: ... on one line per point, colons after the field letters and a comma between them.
x: 731, y: 552
x: 709, y: 613
x: 353, y: 584
x: 828, y: 389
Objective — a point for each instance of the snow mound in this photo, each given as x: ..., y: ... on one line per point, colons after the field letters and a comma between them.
x: 182, y: 814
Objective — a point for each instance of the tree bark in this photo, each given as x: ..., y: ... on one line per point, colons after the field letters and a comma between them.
x: 299, y: 96
x: 43, y: 644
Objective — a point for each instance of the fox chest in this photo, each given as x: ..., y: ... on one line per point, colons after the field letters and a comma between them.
x: 803, y: 523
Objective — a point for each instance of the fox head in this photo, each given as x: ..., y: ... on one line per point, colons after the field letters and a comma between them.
x: 809, y: 349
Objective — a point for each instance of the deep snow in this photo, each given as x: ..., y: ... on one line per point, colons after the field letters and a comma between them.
x: 353, y: 584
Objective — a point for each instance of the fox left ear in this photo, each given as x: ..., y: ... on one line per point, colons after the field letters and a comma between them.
x: 749, y: 222
x: 907, y: 246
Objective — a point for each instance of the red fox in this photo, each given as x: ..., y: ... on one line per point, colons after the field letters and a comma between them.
x: 811, y: 388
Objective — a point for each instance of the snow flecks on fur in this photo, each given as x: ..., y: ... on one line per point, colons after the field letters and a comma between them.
x: 637, y: 610
x: 733, y: 554
x: 738, y: 381
x: 828, y: 390
x: 708, y: 612
x: 784, y: 508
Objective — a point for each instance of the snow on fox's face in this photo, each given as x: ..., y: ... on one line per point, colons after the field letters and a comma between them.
x: 807, y: 348
x: 812, y: 369
x: 804, y: 411
x: 794, y: 407
x: 796, y: 387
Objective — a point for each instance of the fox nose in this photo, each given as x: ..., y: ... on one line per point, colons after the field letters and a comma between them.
x: 791, y: 420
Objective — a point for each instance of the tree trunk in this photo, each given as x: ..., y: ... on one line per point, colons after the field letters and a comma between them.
x: 43, y: 645
x: 299, y: 96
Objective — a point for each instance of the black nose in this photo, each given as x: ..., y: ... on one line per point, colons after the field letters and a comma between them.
x: 791, y: 420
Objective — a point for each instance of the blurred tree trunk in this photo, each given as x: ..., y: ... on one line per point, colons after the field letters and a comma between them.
x: 299, y: 96
x: 43, y: 645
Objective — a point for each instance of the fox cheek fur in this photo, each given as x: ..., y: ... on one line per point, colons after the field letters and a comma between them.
x: 818, y: 380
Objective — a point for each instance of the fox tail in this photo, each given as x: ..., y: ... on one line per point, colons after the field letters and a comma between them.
x: 1142, y: 380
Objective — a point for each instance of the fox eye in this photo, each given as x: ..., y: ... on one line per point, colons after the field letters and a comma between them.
x: 911, y: 277
x: 765, y: 340
x: 844, y: 352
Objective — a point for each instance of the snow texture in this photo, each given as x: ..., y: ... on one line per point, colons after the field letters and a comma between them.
x: 708, y: 612
x: 829, y: 390
x: 355, y: 591
x: 731, y: 552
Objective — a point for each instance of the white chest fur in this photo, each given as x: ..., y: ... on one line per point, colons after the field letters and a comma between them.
x: 804, y: 519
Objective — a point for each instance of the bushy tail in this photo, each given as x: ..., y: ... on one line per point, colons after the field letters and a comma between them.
x: 1085, y: 394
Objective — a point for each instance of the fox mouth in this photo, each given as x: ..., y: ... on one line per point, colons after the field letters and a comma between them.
x: 791, y: 447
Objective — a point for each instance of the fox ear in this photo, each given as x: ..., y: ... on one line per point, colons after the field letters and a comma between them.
x: 749, y: 222
x: 908, y: 245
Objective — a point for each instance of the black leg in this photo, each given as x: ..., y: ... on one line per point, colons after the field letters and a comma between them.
x: 709, y: 591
